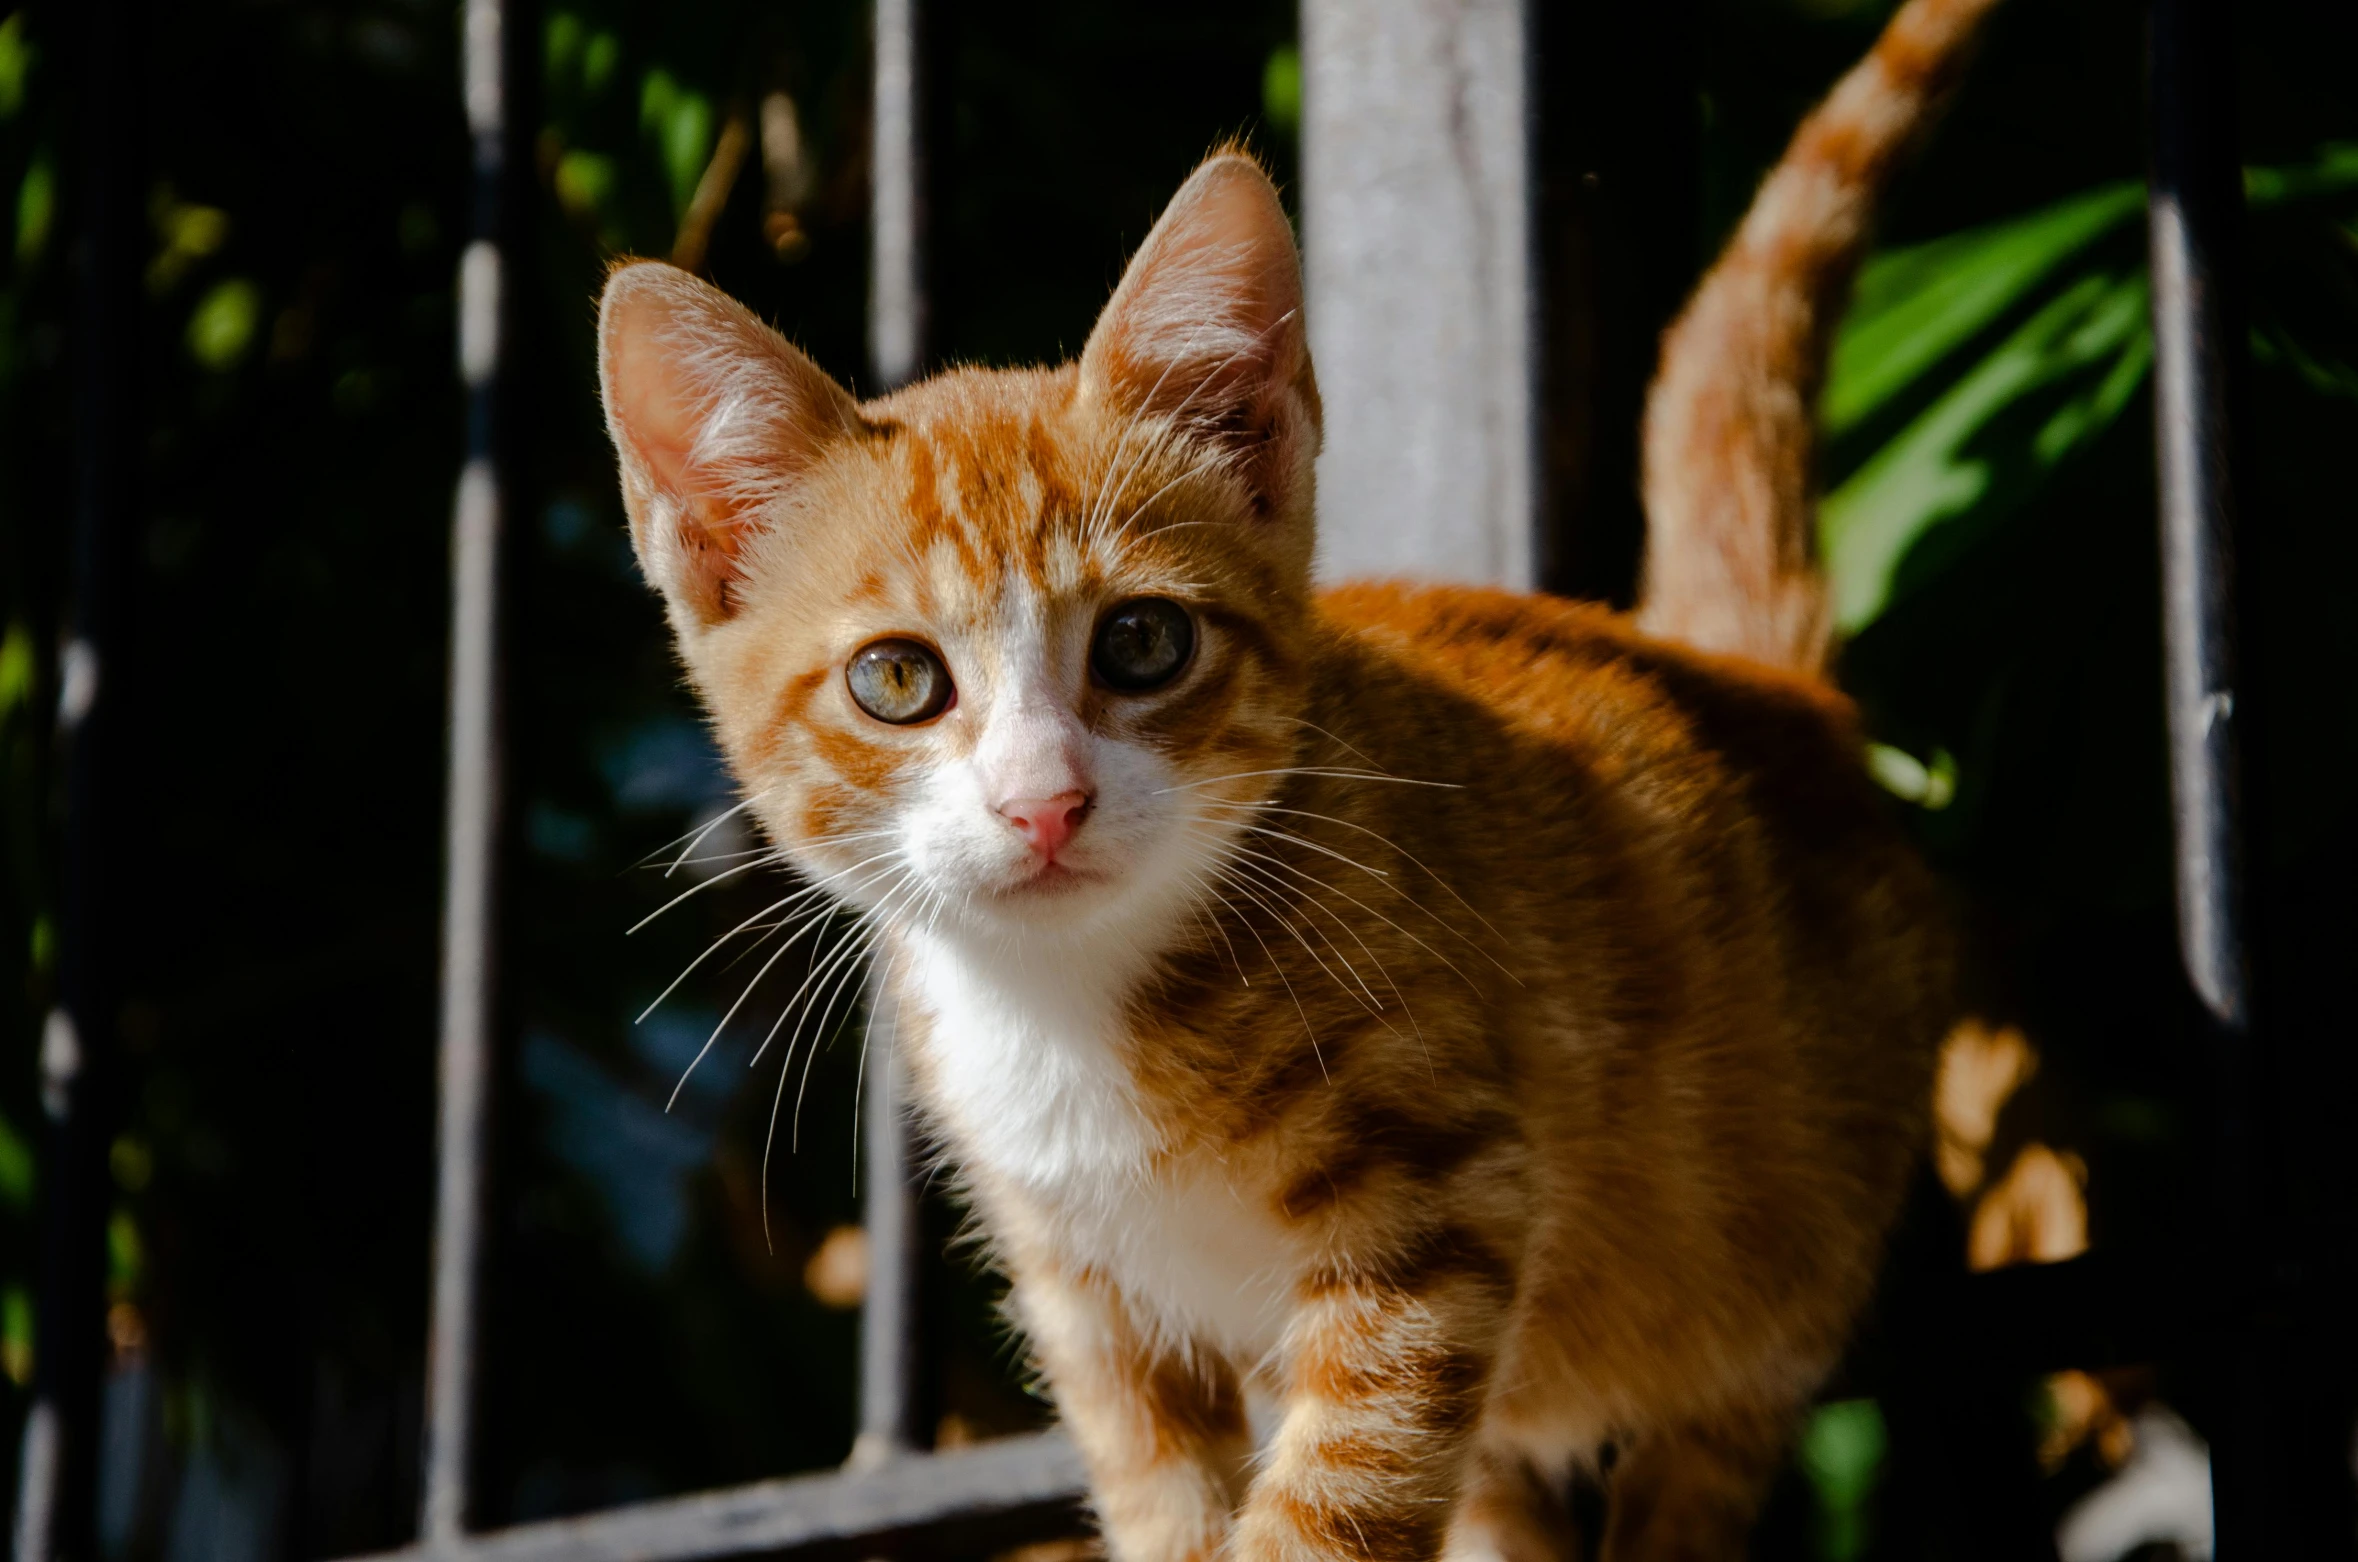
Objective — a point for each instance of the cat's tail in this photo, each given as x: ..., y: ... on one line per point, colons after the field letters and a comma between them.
x: 1731, y: 421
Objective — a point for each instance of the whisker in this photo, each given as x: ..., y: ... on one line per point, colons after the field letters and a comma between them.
x: 1331, y: 738
x: 713, y: 947
x: 695, y: 833
x: 1331, y: 771
x: 1280, y: 918
x: 817, y: 973
x: 1307, y: 1028
x: 1387, y: 921
x: 843, y: 985
x: 1386, y: 841
x: 1373, y: 958
x: 1372, y: 1004
x: 766, y: 967
x: 721, y: 877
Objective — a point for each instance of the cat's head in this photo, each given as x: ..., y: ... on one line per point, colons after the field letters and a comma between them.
x: 1003, y: 651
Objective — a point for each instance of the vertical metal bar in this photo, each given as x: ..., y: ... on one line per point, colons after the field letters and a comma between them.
x: 890, y: 1404
x: 56, y: 1508
x: 2191, y: 221
x: 896, y: 298
x: 472, y: 829
x: 2194, y: 222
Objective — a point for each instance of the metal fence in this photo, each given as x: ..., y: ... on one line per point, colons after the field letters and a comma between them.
x: 894, y: 1498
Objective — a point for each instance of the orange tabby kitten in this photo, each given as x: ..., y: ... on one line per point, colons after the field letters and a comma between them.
x: 1480, y: 1028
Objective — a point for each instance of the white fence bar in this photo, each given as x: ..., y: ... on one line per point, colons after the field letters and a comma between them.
x: 472, y: 827
x: 1416, y: 210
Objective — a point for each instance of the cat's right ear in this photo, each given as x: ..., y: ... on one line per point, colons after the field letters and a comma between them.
x: 715, y: 417
x: 1206, y: 328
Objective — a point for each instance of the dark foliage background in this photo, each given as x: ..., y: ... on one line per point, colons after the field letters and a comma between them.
x: 308, y: 200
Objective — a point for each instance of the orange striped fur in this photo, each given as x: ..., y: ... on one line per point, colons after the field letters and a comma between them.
x: 1731, y: 424
x: 1469, y: 1027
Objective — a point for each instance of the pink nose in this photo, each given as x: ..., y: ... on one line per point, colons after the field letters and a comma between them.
x: 1046, y: 823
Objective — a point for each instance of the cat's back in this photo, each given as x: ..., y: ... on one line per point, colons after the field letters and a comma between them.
x: 1622, y: 795
x: 1577, y: 687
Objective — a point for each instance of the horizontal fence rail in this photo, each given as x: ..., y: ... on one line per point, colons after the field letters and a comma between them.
x: 966, y: 1502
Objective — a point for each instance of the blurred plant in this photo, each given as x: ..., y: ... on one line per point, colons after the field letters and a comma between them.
x: 1970, y: 368
x: 36, y: 211
x: 1842, y: 1451
x: 16, y: 63
x: 1281, y: 90
x: 679, y: 119
x: 221, y: 327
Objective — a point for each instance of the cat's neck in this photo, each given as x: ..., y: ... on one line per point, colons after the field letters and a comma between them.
x: 1024, y: 1051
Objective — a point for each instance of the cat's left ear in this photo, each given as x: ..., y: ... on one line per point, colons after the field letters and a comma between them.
x: 1206, y: 328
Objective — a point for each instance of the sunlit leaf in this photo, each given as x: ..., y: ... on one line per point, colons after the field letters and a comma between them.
x: 1995, y: 355
x: 680, y: 120
x: 221, y: 327
x: 1915, y: 306
x: 36, y: 210
x: 1842, y: 1451
x: 16, y: 668
x: 16, y: 64
x: 1942, y: 465
x: 585, y: 183
x: 1281, y: 89
x: 1931, y: 786
x: 687, y: 144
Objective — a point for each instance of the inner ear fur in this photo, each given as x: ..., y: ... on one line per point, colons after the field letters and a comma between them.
x: 1206, y: 328
x: 714, y: 417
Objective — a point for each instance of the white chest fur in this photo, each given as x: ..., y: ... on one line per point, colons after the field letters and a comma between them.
x: 1032, y: 1089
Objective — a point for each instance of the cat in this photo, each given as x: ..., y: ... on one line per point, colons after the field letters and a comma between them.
x: 1483, y: 1027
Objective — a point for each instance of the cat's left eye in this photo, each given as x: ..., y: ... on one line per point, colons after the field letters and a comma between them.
x: 899, y: 681
x: 1143, y: 644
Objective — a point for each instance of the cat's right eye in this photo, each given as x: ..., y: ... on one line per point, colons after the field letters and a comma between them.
x: 899, y: 681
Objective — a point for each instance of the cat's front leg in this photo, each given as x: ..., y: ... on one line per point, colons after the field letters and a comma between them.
x: 1386, y: 1369
x: 1161, y: 1426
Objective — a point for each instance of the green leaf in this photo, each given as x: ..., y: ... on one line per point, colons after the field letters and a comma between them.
x: 2335, y: 170
x: 16, y: 1168
x: 680, y: 120
x: 1915, y: 306
x: 16, y: 63
x: 1842, y: 1451
x: 36, y: 211
x: 2089, y: 343
x: 687, y: 145
x: 598, y: 60
x: 16, y: 1334
x: 16, y: 668
x: 221, y: 327
x: 585, y: 182
x: 1281, y: 89
x: 1986, y: 359
x: 561, y: 46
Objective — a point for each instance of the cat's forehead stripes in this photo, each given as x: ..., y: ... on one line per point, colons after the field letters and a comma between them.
x: 1004, y: 478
